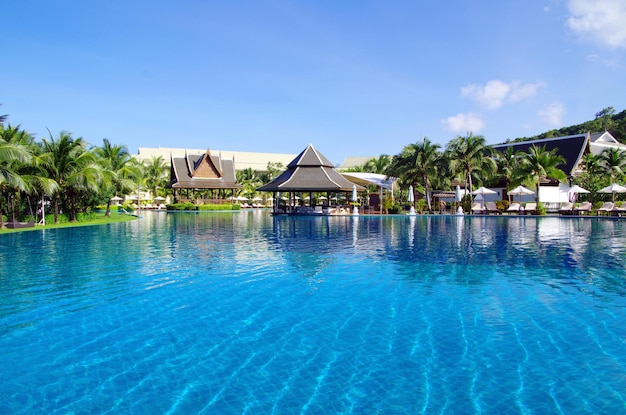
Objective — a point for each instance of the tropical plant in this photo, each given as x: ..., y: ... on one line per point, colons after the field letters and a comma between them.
x: 507, y: 165
x: 74, y: 168
x: 613, y: 161
x: 378, y: 164
x: 471, y: 159
x: 155, y: 174
x: 121, y: 170
x: 538, y: 164
x: 418, y: 163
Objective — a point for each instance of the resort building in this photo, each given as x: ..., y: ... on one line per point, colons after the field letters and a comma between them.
x: 572, y: 148
x: 241, y: 159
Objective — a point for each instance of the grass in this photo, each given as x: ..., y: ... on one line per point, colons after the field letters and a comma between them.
x: 93, y: 219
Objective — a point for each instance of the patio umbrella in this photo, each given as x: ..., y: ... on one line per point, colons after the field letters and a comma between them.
x: 116, y: 198
x: 520, y: 190
x: 574, y: 190
x: 614, y: 188
x: 159, y: 198
x: 411, y: 200
x: 483, y: 191
x: 354, y: 196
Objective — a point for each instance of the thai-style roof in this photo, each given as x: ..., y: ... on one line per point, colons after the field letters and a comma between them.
x: 312, y: 172
x: 202, y: 171
x: 571, y: 148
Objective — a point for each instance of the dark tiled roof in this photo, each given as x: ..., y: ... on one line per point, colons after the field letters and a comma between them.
x: 570, y: 147
x: 310, y: 171
x: 204, y: 171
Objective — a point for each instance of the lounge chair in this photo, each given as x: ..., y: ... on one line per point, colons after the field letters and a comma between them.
x: 584, y: 207
x: 605, y: 209
x: 492, y: 208
x: 477, y: 208
x: 620, y: 210
x: 530, y: 208
x: 514, y: 207
x: 566, y: 209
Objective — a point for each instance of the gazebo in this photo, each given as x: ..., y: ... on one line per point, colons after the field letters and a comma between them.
x: 309, y: 172
x: 202, y: 171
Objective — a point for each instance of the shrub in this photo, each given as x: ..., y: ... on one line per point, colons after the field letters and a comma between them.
x: 541, y: 209
x: 421, y: 205
x: 502, y: 205
x: 395, y: 208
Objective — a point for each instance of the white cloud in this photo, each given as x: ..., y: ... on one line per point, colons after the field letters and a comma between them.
x: 462, y: 123
x: 495, y: 92
x: 552, y: 114
x: 599, y: 21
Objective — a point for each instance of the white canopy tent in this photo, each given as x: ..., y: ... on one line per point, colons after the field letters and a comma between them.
x: 369, y: 179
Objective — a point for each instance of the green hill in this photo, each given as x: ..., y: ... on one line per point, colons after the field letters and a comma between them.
x: 606, y: 119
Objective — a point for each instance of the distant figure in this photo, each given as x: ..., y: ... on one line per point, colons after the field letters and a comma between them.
x: 442, y: 206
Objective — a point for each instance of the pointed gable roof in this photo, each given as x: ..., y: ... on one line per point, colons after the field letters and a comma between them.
x: 571, y: 147
x: 309, y: 171
x: 203, y: 171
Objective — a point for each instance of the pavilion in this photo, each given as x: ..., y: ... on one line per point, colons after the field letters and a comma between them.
x: 202, y: 171
x: 310, y: 172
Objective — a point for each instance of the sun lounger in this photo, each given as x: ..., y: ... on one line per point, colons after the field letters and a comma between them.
x: 530, y: 208
x: 620, y: 210
x: 566, y: 209
x: 514, y: 207
x: 583, y: 208
x: 477, y: 208
x: 605, y: 209
x: 492, y: 208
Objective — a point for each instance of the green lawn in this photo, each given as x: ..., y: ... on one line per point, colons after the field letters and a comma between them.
x: 94, y: 219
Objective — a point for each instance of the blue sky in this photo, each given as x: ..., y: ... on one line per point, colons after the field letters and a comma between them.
x: 353, y: 78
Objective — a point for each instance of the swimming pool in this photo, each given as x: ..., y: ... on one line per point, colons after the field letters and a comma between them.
x: 249, y: 313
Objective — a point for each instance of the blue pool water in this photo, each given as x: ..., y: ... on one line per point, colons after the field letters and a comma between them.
x: 244, y: 313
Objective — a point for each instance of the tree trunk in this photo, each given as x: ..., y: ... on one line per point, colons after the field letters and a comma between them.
x: 108, y: 212
x: 56, y: 208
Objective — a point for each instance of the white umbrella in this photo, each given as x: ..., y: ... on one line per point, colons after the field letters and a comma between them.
x: 241, y: 198
x: 355, y: 210
x: 457, y: 194
x: 614, y: 188
x: 574, y: 190
x: 256, y: 198
x: 322, y: 198
x: 159, y: 198
x: 520, y: 190
x: 483, y: 191
x: 411, y: 200
x: 116, y: 198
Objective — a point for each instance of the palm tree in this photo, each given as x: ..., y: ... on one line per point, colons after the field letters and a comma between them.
x: 12, y: 157
x: 378, y: 164
x: 507, y: 163
x: 613, y: 161
x: 538, y: 164
x: 121, y: 169
x: 73, y: 168
x: 471, y: 158
x: 418, y: 163
x: 155, y: 173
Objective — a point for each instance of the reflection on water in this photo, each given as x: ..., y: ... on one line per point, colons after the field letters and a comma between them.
x: 210, y: 312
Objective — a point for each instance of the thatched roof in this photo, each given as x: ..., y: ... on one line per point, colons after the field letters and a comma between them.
x: 310, y: 171
x: 203, y: 171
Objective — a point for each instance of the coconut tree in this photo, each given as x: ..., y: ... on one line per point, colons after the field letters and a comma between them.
x: 507, y: 165
x: 471, y: 158
x: 120, y: 167
x: 418, y: 163
x: 73, y: 167
x: 378, y: 164
x: 155, y: 174
x: 12, y: 157
x: 613, y: 161
x: 538, y: 164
